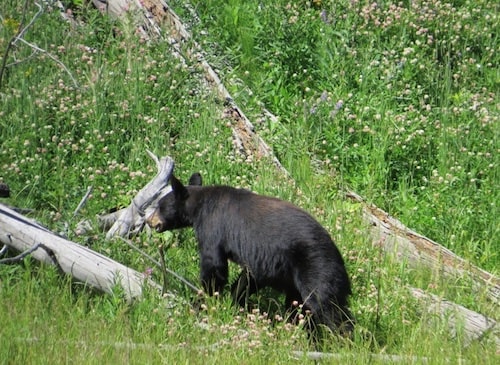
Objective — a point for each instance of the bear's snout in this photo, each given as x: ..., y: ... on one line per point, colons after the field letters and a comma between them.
x: 155, y: 221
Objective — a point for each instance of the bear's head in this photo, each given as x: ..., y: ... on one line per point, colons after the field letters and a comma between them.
x: 171, y: 212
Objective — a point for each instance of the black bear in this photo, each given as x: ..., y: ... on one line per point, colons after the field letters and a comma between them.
x: 277, y: 245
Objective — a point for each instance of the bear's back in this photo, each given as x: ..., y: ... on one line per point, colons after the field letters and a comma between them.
x: 241, y: 214
x: 226, y: 200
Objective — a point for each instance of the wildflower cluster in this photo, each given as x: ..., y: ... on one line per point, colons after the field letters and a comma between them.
x: 249, y: 331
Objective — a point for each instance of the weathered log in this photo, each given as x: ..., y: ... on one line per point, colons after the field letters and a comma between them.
x: 403, y: 242
x: 473, y: 324
x: 82, y: 263
x: 246, y: 141
x: 157, y: 12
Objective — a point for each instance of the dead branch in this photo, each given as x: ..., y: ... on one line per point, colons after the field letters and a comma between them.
x: 161, y: 251
x: 134, y: 216
x: 19, y: 38
x: 163, y: 267
x: 18, y: 258
x: 83, y: 201
x: 130, y: 220
x: 21, y: 30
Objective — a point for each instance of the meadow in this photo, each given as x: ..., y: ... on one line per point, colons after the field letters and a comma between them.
x: 394, y: 100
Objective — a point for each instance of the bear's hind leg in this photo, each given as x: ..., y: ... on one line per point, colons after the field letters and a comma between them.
x: 328, y: 313
x: 244, y: 286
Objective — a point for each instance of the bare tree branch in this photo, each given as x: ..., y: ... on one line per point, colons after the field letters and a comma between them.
x: 18, y: 37
x: 11, y: 42
x: 134, y: 215
x: 83, y: 201
x: 53, y: 58
x: 166, y: 269
x: 21, y: 256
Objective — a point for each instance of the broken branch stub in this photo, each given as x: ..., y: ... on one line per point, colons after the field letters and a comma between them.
x: 132, y: 218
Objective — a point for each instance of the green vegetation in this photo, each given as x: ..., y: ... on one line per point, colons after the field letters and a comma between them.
x: 398, y: 98
x: 396, y: 101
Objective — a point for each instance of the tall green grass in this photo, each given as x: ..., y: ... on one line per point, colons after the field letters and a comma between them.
x: 58, y: 138
x: 398, y: 98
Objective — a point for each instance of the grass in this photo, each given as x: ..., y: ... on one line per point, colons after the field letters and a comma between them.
x: 365, y: 101
x: 398, y: 98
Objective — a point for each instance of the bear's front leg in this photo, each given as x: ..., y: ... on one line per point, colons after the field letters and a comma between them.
x: 214, y: 271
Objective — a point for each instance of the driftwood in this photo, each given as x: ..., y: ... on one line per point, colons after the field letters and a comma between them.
x: 85, y: 265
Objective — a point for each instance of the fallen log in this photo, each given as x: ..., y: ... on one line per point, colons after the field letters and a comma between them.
x: 157, y: 12
x: 82, y: 263
x: 133, y: 217
x: 474, y: 325
x: 402, y: 242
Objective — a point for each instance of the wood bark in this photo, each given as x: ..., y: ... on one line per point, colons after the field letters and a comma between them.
x: 82, y: 263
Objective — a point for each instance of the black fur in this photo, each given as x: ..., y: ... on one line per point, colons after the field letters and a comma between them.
x: 277, y: 244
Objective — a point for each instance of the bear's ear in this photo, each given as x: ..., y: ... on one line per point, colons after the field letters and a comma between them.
x: 195, y: 179
x: 180, y: 191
